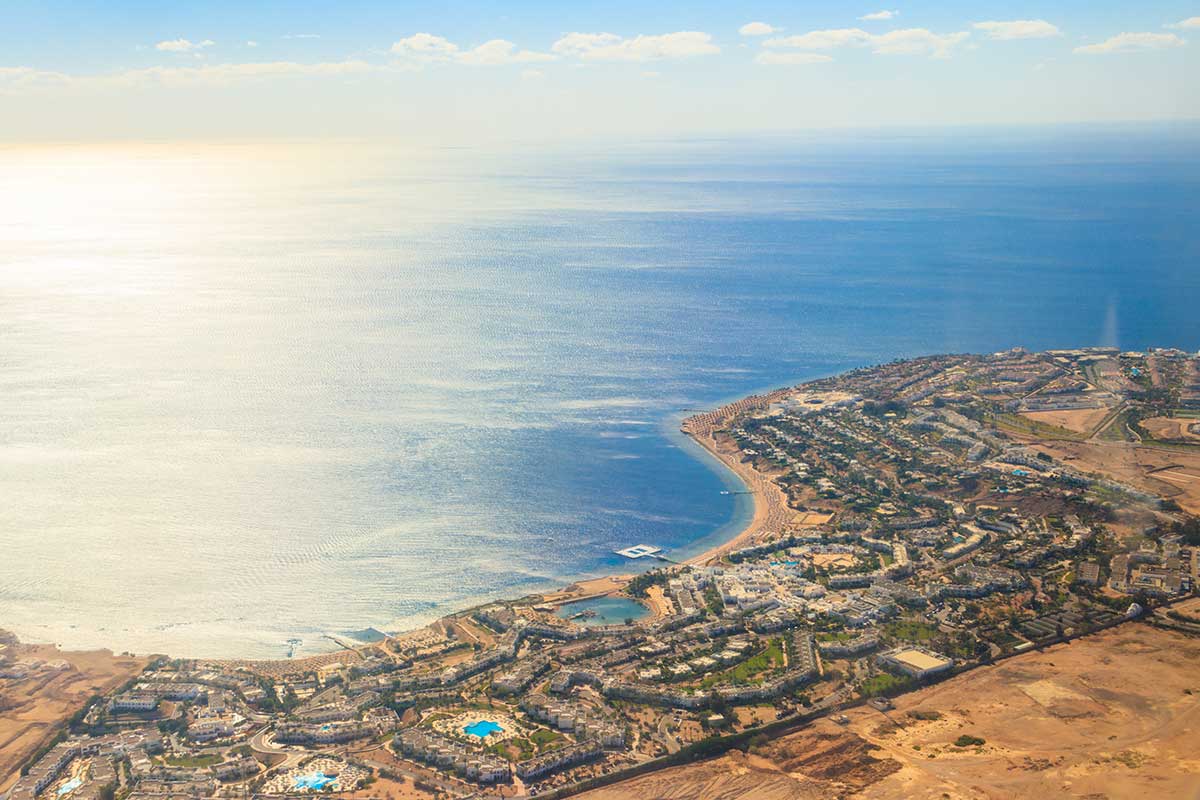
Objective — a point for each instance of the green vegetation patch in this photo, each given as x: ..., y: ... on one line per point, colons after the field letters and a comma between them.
x: 197, y: 761
x: 884, y: 684
x: 967, y: 740
x: 746, y: 672
x: 925, y: 716
x: 911, y: 630
x: 545, y: 738
x: 1043, y: 430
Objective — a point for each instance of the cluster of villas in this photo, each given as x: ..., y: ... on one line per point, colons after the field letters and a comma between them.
x: 146, y: 696
x: 90, y: 781
x: 451, y: 755
x: 1166, y: 569
x: 375, y: 721
x: 575, y: 719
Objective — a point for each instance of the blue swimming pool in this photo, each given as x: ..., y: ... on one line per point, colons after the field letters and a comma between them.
x: 483, y: 728
x: 316, y: 781
x: 69, y: 786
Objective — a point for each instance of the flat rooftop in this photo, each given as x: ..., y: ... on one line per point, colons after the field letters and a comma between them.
x: 919, y: 660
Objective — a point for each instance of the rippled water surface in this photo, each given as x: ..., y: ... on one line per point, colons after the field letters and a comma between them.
x: 257, y: 393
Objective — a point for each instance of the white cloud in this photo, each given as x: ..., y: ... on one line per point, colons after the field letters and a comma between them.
x: 425, y: 48
x: 1132, y: 42
x: 651, y: 74
x: 500, y: 51
x: 879, y: 15
x: 757, y: 29
x: 918, y: 42
x: 13, y: 79
x: 1018, y: 29
x: 1190, y: 22
x: 251, y: 43
x: 610, y: 47
x: 823, y: 40
x: 302, y: 36
x: 16, y: 79
x: 230, y: 73
x: 183, y: 45
x: 776, y: 57
x: 532, y: 74
x: 906, y: 41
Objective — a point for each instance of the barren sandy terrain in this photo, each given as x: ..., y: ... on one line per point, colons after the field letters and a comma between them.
x: 58, y: 684
x: 1083, y: 420
x: 1116, y: 715
x: 1172, y: 428
x: 1169, y: 473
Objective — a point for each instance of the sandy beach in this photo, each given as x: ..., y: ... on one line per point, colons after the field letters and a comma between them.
x: 771, y: 511
x: 771, y: 516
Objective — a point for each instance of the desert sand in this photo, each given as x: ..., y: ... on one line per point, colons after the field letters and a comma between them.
x: 1115, y: 715
x: 57, y: 685
x: 1084, y: 420
x: 1169, y: 473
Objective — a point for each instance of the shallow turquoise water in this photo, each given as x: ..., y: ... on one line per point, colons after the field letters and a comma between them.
x: 608, y: 610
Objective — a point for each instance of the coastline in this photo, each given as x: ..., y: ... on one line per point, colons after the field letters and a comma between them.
x: 770, y: 505
x: 768, y: 513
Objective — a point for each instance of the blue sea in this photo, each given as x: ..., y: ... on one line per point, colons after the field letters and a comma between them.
x: 261, y: 392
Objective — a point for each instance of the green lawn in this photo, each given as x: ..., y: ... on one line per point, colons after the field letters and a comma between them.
x: 205, y: 760
x: 911, y: 630
x: 544, y: 738
x: 770, y: 658
x: 882, y: 684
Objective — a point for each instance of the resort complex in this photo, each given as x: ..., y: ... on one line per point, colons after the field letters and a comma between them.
x: 914, y: 521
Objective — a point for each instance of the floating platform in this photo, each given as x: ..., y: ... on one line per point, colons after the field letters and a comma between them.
x: 639, y: 551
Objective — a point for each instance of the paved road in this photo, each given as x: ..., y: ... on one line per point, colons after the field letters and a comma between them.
x: 291, y: 758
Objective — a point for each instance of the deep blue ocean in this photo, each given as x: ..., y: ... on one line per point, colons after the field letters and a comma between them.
x: 261, y: 392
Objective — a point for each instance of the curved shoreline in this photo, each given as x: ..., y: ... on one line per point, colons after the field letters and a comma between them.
x: 771, y: 514
x: 768, y: 514
x: 771, y: 510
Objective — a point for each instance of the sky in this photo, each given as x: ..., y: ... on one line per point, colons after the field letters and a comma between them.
x: 461, y: 72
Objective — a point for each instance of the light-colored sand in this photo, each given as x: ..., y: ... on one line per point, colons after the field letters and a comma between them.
x: 1084, y: 420
x: 1108, y: 716
x: 771, y: 511
x: 32, y: 709
x: 660, y: 605
x: 297, y: 666
x: 833, y: 559
x: 1171, y: 473
x: 594, y: 587
x: 1172, y: 428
